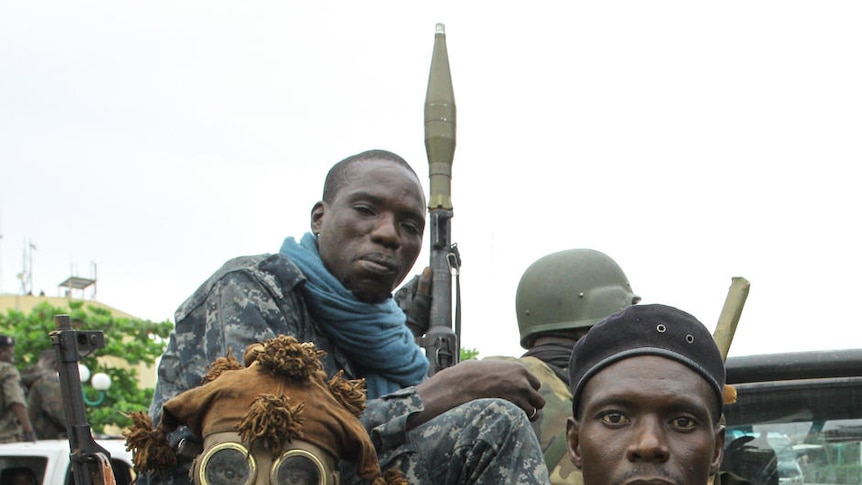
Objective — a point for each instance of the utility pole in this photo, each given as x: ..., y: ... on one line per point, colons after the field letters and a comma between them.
x: 1, y: 253
x: 26, y: 275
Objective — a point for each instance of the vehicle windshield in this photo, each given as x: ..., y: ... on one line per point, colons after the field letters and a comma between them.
x: 806, y: 431
x: 802, y: 452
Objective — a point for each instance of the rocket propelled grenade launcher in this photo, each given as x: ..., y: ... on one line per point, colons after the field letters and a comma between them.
x: 441, y: 341
x: 440, y: 124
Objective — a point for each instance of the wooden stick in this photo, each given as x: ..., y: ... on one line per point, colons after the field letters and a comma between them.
x: 730, y: 313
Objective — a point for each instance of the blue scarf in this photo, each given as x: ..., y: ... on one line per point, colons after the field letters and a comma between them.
x: 374, y: 336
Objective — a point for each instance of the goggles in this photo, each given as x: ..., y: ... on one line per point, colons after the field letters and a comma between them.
x: 226, y: 461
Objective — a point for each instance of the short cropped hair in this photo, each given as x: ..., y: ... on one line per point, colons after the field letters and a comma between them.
x: 339, y: 174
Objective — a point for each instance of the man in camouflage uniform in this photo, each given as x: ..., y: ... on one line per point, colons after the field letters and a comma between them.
x: 560, y: 296
x: 13, y: 406
x: 45, y: 399
x: 466, y: 424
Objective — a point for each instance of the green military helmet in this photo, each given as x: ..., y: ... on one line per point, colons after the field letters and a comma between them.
x: 568, y: 290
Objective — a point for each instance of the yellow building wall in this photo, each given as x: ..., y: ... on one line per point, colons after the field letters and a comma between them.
x: 26, y: 303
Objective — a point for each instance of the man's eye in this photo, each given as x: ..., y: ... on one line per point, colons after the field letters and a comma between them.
x: 364, y: 209
x: 684, y: 422
x: 412, y: 229
x: 614, y: 418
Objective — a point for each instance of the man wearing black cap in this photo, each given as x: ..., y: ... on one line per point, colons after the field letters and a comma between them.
x: 647, y: 388
x: 13, y: 405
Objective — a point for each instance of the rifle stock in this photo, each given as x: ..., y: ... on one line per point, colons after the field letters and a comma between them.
x: 91, y: 464
x: 441, y: 341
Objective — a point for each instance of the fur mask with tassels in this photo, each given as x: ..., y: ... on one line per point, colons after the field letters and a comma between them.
x: 271, y: 420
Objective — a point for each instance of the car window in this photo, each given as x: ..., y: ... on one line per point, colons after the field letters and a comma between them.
x: 123, y: 474
x: 795, y: 432
x: 28, y: 468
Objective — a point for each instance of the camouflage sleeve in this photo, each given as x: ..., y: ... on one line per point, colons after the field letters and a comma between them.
x: 236, y: 312
x: 550, y: 427
x: 242, y: 312
x: 12, y: 391
x: 484, y: 441
x: 386, y: 418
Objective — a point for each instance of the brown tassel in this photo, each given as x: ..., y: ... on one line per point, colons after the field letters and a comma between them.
x: 286, y: 356
x: 251, y: 353
x: 728, y: 394
x: 350, y: 393
x: 150, y: 449
x: 394, y: 476
x: 271, y: 419
x: 221, y: 365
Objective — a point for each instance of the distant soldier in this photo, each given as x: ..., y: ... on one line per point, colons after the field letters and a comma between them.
x: 13, y: 406
x: 45, y: 399
x: 559, y: 297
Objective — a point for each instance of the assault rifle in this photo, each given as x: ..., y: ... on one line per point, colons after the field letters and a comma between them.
x: 91, y: 464
x: 441, y: 341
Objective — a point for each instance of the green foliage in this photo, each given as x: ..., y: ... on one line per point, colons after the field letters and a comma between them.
x: 135, y: 341
x: 469, y: 354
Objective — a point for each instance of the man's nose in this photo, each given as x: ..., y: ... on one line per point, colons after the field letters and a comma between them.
x: 649, y: 442
x: 386, y: 231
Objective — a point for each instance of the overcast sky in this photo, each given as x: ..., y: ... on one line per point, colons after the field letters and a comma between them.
x: 690, y: 141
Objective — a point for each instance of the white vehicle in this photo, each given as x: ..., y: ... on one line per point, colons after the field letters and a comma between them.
x: 50, y: 464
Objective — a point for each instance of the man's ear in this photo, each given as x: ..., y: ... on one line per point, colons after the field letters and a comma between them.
x: 317, y: 216
x: 718, y: 452
x: 573, y: 441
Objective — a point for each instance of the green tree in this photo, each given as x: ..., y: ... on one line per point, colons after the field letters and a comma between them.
x: 469, y: 354
x: 132, y: 340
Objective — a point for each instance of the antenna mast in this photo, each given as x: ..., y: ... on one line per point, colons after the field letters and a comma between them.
x: 26, y: 276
